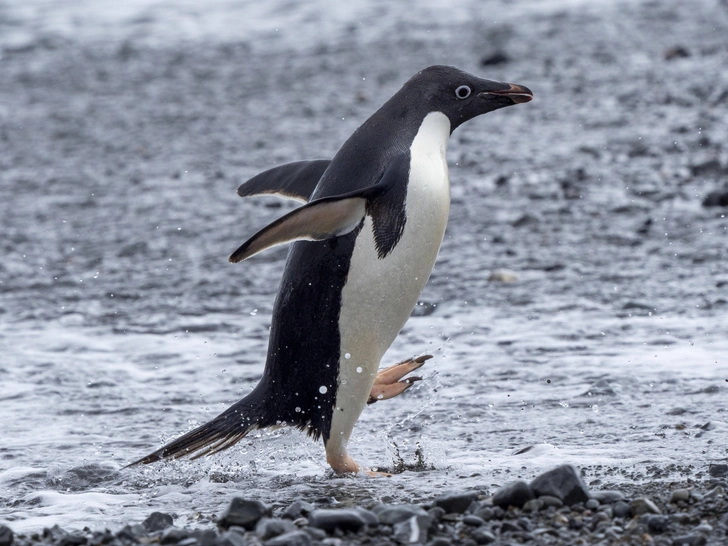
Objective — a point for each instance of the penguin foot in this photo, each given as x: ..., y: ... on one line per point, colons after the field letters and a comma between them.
x: 389, y: 382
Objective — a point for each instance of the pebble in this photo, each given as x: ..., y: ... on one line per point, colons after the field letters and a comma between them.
x: 298, y: 509
x: 515, y: 494
x: 294, y: 538
x: 157, y: 521
x: 483, y: 536
x: 345, y: 519
x: 621, y: 509
x: 607, y: 496
x: 244, y: 513
x: 643, y: 505
x: 592, y: 504
x: 173, y: 535
x: 391, y: 515
x: 268, y: 527
x: 456, y: 502
x: 658, y: 524
x: 413, y: 530
x: 534, y: 505
x: 680, y: 495
x: 473, y: 521
x: 689, y: 540
x: 230, y: 538
x: 563, y: 482
x: 549, y: 501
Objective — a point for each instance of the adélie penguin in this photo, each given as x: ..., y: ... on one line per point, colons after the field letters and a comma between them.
x: 365, y: 244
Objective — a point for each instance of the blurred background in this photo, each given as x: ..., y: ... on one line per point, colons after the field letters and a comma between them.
x: 578, y: 312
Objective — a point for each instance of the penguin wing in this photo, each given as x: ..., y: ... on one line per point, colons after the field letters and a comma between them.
x: 326, y: 217
x: 291, y: 181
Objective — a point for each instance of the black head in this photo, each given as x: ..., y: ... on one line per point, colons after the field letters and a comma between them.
x: 459, y: 95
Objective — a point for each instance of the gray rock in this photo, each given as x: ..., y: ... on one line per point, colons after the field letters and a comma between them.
x: 456, y: 502
x: 563, y: 482
x: 327, y: 519
x: 189, y: 541
x: 391, y: 515
x: 704, y: 528
x: 298, y: 509
x: 230, y: 538
x: 172, y: 535
x: 486, y: 513
x: 371, y: 519
x: 689, y: 540
x: 680, y: 495
x: 643, y: 505
x: 718, y: 470
x: 607, y: 496
x: 268, y: 528
x: 244, y: 513
x: 206, y: 538
x: 473, y: 521
x: 157, y: 521
x: 314, y: 533
x: 73, y: 540
x: 548, y: 501
x: 294, y: 538
x: 483, y: 536
x: 657, y: 524
x: 515, y: 494
x: 621, y: 509
x: 592, y: 504
x: 412, y: 530
x: 437, y: 512
x: 534, y: 505
x: 132, y: 532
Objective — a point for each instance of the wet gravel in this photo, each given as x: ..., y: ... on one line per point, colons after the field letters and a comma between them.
x: 555, y: 508
x: 577, y: 312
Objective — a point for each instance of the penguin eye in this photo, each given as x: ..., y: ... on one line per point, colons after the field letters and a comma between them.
x: 463, y: 92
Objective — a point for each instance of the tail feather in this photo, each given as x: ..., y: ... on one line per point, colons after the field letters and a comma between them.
x: 222, y: 432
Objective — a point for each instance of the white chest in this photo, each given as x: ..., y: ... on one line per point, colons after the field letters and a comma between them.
x: 380, y: 294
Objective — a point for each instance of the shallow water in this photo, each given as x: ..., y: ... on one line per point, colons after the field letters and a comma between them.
x: 125, y: 134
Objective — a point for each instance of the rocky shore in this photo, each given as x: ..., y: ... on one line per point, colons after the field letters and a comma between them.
x: 555, y: 508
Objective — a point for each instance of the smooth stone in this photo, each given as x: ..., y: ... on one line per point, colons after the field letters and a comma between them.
x: 549, y: 501
x: 189, y: 541
x: 391, y: 515
x: 592, y: 504
x: 718, y: 470
x: 621, y: 509
x: 314, y: 533
x: 473, y: 521
x: 206, y: 538
x: 680, y: 495
x: 483, y: 536
x: 293, y: 538
x: 268, y: 528
x: 73, y: 540
x: 437, y: 512
x: 329, y: 519
x: 563, y: 482
x: 643, y: 505
x: 689, y: 540
x: 132, y: 532
x: 298, y: 509
x: 371, y: 519
x: 157, y: 521
x: 244, y: 513
x: 704, y: 528
x: 509, y: 527
x: 515, y: 493
x: 230, y: 538
x: 607, y: 496
x: 534, y: 505
x: 413, y: 530
x: 658, y: 524
x: 456, y: 502
x: 172, y: 535
x: 486, y: 513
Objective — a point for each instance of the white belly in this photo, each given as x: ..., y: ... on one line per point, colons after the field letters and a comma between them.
x: 380, y: 294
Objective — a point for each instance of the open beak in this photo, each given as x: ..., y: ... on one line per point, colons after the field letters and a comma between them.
x: 517, y: 93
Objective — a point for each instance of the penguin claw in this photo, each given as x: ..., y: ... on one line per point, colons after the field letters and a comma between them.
x: 390, y: 382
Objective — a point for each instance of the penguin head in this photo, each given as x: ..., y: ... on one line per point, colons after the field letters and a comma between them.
x: 461, y: 96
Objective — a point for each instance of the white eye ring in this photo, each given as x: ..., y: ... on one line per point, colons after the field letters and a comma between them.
x: 463, y: 92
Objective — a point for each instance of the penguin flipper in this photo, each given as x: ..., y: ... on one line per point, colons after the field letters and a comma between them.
x: 322, y: 218
x: 291, y: 181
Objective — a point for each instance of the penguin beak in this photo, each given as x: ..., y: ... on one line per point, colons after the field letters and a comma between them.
x: 517, y: 93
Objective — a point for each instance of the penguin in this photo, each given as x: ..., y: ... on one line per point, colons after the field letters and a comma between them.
x: 363, y: 246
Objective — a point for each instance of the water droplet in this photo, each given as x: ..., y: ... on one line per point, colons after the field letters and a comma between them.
x: 323, y: 389
x: 254, y: 312
x: 595, y: 408
x: 563, y: 404
x: 347, y: 356
x: 298, y: 410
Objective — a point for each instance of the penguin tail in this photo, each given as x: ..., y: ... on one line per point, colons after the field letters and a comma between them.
x: 222, y: 432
